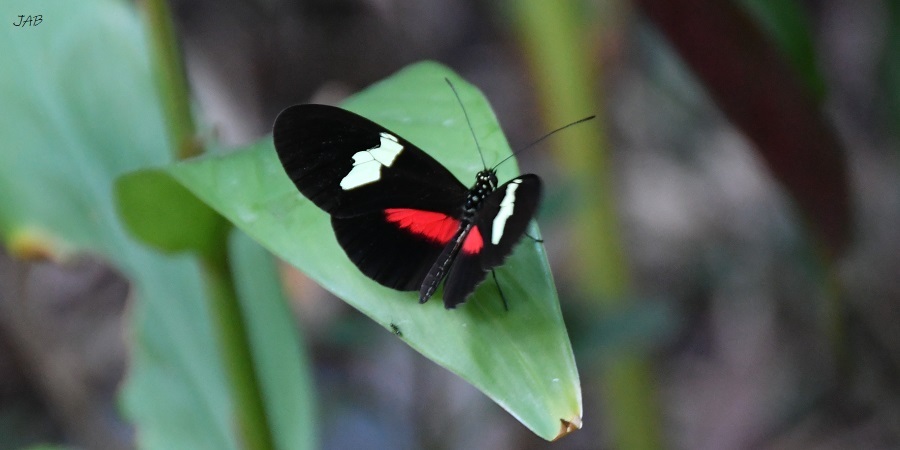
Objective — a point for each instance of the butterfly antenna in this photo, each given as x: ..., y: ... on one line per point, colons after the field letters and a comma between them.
x: 544, y: 137
x: 467, y: 121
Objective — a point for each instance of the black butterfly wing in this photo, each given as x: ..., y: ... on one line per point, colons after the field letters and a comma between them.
x: 464, y: 276
x: 384, y: 252
x: 348, y: 165
x: 505, y: 215
x: 501, y: 223
x: 393, y: 207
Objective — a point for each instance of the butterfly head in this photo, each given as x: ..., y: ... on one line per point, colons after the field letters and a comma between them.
x: 487, y: 179
x: 485, y: 183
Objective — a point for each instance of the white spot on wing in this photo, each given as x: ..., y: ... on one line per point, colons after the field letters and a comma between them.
x: 367, y: 164
x: 507, y: 206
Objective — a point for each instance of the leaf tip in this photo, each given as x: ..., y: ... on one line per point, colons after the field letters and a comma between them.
x: 568, y: 426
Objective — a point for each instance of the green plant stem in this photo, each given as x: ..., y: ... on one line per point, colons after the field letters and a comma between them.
x: 224, y: 307
x: 836, y: 317
x: 232, y: 335
x: 171, y: 80
x: 567, y: 86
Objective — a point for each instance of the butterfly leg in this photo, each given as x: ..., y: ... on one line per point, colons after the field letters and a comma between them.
x: 502, y: 297
x: 539, y: 241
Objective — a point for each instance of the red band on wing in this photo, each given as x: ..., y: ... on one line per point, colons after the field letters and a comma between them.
x: 473, y: 243
x: 433, y: 226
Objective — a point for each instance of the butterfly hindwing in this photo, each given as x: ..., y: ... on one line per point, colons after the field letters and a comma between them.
x: 464, y: 276
x: 456, y: 262
x: 348, y: 165
x: 385, y: 252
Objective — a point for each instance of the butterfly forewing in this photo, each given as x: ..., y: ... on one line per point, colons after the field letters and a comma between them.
x: 349, y: 165
x: 505, y: 216
x: 393, y: 207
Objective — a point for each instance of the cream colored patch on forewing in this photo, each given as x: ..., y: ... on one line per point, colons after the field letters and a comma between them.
x: 367, y: 164
x: 507, y: 207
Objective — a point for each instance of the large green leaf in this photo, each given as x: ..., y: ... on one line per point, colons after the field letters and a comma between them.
x: 161, y: 212
x: 79, y: 109
x: 521, y: 358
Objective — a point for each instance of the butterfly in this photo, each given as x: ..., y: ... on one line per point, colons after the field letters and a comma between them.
x: 400, y: 216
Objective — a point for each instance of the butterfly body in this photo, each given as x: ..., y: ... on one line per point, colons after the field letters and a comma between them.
x: 402, y: 218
